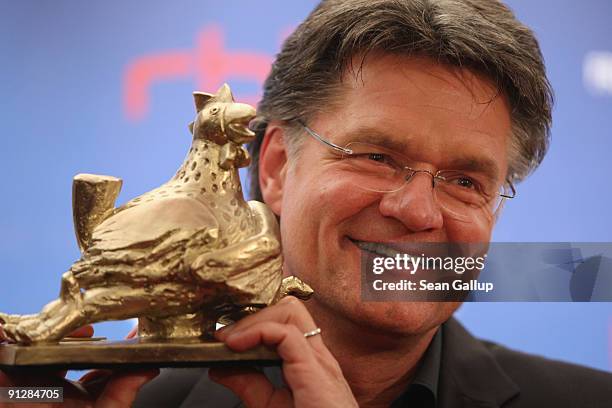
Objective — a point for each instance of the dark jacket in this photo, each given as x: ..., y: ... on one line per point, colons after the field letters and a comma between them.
x: 473, y: 373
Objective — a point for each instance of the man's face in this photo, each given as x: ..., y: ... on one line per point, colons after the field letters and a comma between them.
x: 438, y: 116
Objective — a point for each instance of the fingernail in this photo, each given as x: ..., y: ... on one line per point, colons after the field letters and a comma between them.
x: 223, y: 332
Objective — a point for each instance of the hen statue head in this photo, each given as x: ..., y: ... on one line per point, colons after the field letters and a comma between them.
x: 220, y: 119
x: 224, y: 122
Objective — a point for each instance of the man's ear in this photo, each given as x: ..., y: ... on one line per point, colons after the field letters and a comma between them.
x: 273, y: 167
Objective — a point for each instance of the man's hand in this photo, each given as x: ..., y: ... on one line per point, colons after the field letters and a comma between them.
x: 98, y: 388
x: 310, y: 370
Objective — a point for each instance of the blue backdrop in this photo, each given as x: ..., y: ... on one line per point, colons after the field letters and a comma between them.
x: 106, y: 88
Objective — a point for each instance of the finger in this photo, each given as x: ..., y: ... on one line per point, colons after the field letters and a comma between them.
x: 85, y: 331
x: 288, y: 310
x: 289, y: 341
x: 96, y: 381
x: 94, y: 375
x: 133, y: 333
x: 5, y: 381
x: 251, y: 386
x: 121, y: 390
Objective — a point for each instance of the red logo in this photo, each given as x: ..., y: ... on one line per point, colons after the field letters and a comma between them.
x: 209, y: 64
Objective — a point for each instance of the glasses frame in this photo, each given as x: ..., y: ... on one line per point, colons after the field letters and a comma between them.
x: 435, y: 176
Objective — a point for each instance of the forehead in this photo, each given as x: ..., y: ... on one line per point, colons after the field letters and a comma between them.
x: 433, y: 110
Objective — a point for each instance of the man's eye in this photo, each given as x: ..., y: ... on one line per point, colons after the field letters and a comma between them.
x: 465, y: 182
x: 379, y: 157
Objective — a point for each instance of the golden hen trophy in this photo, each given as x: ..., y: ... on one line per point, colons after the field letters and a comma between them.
x: 180, y: 258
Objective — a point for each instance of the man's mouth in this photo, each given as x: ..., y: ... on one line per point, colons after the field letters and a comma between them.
x: 376, y: 248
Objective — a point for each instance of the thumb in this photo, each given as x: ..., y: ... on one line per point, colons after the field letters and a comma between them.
x: 85, y: 331
x: 121, y: 390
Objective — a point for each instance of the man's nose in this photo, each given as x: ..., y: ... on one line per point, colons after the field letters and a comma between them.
x: 414, y: 204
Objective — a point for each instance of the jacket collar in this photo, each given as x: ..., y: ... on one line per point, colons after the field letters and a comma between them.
x: 469, y: 374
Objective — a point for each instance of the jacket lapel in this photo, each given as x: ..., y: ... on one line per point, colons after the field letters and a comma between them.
x: 469, y: 374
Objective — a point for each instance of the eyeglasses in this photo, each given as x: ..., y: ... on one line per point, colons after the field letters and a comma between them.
x: 463, y: 195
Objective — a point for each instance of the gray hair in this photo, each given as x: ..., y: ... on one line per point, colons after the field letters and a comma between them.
x: 481, y: 35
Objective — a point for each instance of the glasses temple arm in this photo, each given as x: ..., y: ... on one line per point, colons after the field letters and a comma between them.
x: 325, y: 142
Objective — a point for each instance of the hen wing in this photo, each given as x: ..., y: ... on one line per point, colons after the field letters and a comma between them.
x: 148, y: 222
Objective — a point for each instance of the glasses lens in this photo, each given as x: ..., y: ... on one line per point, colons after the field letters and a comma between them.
x: 464, y: 196
x: 469, y: 195
x: 375, y: 168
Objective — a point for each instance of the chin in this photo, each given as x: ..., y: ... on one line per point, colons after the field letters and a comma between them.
x: 403, y: 318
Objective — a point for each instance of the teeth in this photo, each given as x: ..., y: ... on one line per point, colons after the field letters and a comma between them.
x: 377, y: 248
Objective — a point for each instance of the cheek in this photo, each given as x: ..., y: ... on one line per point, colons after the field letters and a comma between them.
x: 476, y: 230
x: 314, y: 211
x: 316, y: 199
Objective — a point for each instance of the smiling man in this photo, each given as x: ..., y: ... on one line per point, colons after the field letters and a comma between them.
x: 436, y: 117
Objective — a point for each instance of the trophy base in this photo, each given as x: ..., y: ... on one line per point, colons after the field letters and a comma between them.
x: 133, y: 353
